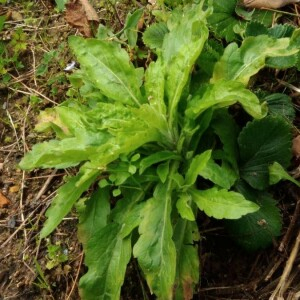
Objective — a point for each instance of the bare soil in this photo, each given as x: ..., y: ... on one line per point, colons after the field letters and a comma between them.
x: 227, y: 271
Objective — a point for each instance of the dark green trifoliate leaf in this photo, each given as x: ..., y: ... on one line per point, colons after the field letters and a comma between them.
x: 240, y: 64
x: 153, y: 36
x: 222, y: 203
x: 281, y: 30
x: 109, y: 69
x: 223, y: 94
x: 261, y: 143
x: 255, y: 29
x: 259, y: 229
x: 227, y: 130
x: 281, y: 104
x: 277, y: 173
x: 223, y: 19
x: 66, y: 197
x: 107, y: 256
x: 227, y: 17
x: 155, y: 249
x: 187, y: 270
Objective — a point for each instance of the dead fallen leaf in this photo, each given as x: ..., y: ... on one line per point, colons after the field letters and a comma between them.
x: 81, y: 15
x: 268, y: 3
x: 14, y: 189
x: 4, y: 202
x: 296, y: 146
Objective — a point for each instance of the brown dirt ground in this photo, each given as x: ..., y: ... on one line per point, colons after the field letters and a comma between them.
x: 227, y: 271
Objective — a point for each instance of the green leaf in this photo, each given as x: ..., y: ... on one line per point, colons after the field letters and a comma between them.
x: 223, y: 94
x: 255, y: 29
x: 66, y: 196
x: 197, y: 164
x: 155, y: 85
x: 277, y: 173
x: 130, y: 28
x: 156, y: 158
x: 227, y: 130
x: 261, y: 143
x: 153, y: 36
x: 222, y: 176
x: 187, y: 271
x: 222, y: 203
x: 183, y: 206
x: 2, y: 21
x: 281, y: 105
x: 155, y: 249
x: 109, y: 68
x: 227, y: 16
x: 223, y: 19
x: 240, y: 64
x: 107, y: 256
x: 259, y: 229
x: 128, y: 211
x: 181, y: 47
x: 61, y: 4
x: 93, y: 214
x: 163, y: 171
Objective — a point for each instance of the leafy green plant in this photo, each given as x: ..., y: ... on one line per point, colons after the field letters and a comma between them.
x: 163, y: 146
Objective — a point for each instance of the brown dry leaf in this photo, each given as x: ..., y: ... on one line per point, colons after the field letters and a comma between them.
x: 14, y: 189
x: 274, y: 4
x: 296, y: 146
x: 81, y: 15
x: 4, y: 202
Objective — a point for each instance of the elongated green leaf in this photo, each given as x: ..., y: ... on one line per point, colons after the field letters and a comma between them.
x: 156, y: 158
x: 107, y: 255
x: 197, y: 164
x: 262, y: 142
x: 155, y: 249
x: 155, y: 85
x: 108, y: 247
x: 241, y: 63
x: 223, y: 176
x: 277, y: 173
x: 93, y: 214
x: 130, y: 27
x: 181, y: 47
x: 108, y: 67
x: 183, y: 205
x: 129, y: 210
x: 222, y: 203
x: 223, y: 94
x: 66, y: 196
x: 187, y: 271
